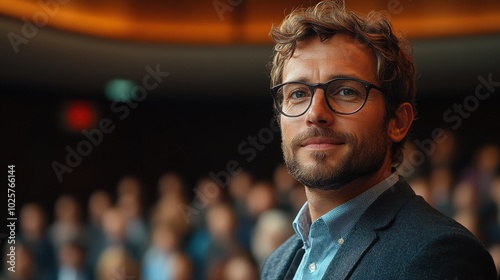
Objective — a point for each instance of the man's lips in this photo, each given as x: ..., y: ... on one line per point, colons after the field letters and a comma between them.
x: 320, y: 143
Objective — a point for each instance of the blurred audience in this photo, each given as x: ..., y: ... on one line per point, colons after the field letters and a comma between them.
x: 260, y: 198
x: 484, y: 167
x: 99, y: 202
x: 239, y: 187
x: 441, y: 181
x: 297, y: 198
x: 445, y: 150
x: 489, y: 216
x: 465, y: 202
x: 172, y: 185
x: 184, y: 269
x: 170, y: 202
x: 207, y: 194
x: 221, y: 227
x: 284, y: 183
x: 114, y: 236
x: 227, y: 233
x: 136, y: 232
x: 129, y: 185
x: 68, y: 224
x: 272, y: 229
x: 71, y: 258
x: 239, y: 266
x: 159, y: 260
x: 116, y: 263
x: 34, y: 237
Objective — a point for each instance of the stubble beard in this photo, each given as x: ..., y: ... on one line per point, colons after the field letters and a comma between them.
x: 362, y: 158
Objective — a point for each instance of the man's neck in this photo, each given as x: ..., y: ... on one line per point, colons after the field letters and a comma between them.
x: 321, y: 202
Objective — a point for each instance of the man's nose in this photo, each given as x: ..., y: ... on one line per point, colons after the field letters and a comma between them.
x: 319, y: 113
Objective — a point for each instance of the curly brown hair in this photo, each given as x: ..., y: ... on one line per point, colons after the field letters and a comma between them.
x: 395, y: 69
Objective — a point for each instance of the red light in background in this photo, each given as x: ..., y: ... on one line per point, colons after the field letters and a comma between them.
x: 79, y: 115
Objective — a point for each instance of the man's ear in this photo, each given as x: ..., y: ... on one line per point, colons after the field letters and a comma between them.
x: 400, y: 122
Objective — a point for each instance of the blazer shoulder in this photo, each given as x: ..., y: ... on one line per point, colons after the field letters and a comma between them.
x: 429, y: 221
x: 401, y: 207
x: 453, y: 255
x: 420, y: 242
x: 442, y: 248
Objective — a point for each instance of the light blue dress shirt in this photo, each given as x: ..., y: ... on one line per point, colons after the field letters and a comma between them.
x: 323, y: 237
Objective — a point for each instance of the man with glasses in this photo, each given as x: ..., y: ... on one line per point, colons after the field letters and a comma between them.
x: 344, y: 90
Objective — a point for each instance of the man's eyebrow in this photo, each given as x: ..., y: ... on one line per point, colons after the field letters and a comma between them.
x: 337, y: 76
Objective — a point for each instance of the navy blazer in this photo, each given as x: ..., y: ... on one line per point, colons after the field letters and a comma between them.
x: 399, y: 236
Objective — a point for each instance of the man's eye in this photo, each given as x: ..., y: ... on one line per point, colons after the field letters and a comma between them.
x: 347, y: 92
x: 298, y: 94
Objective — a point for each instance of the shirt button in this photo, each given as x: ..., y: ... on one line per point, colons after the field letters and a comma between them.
x: 341, y: 241
x: 312, y: 267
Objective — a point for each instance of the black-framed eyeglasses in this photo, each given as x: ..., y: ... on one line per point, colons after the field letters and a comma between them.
x: 343, y: 95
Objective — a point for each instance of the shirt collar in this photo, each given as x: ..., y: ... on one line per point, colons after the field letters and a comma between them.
x: 342, y: 218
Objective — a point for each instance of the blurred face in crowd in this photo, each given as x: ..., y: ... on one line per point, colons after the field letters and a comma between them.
x: 129, y: 185
x: 113, y: 224
x: 495, y: 190
x: 24, y: 263
x: 32, y: 221
x: 130, y: 206
x: 71, y: 255
x: 240, y: 268
x: 99, y: 202
x: 170, y: 184
x: 67, y: 209
x: 164, y: 238
x: 183, y: 268
x: 239, y: 186
x: 488, y: 158
x: 221, y: 222
x: 283, y: 181
x: 260, y: 198
x: 323, y: 149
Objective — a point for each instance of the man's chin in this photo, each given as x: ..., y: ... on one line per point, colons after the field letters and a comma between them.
x: 316, y: 174
x: 322, y: 160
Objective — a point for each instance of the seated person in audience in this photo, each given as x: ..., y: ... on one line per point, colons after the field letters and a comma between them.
x: 33, y: 235
x: 136, y: 231
x: 159, y: 260
x: 221, y: 226
x: 238, y: 266
x: 272, y: 229
x: 114, y: 225
x: 71, y: 266
x: 116, y: 263
x: 260, y: 198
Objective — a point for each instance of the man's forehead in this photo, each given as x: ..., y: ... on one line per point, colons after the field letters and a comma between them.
x: 341, y: 53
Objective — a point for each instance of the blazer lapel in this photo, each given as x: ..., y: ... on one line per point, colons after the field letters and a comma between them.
x: 281, y: 260
x: 364, y: 233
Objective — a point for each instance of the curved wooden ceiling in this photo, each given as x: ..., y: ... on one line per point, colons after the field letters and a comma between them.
x: 240, y: 21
